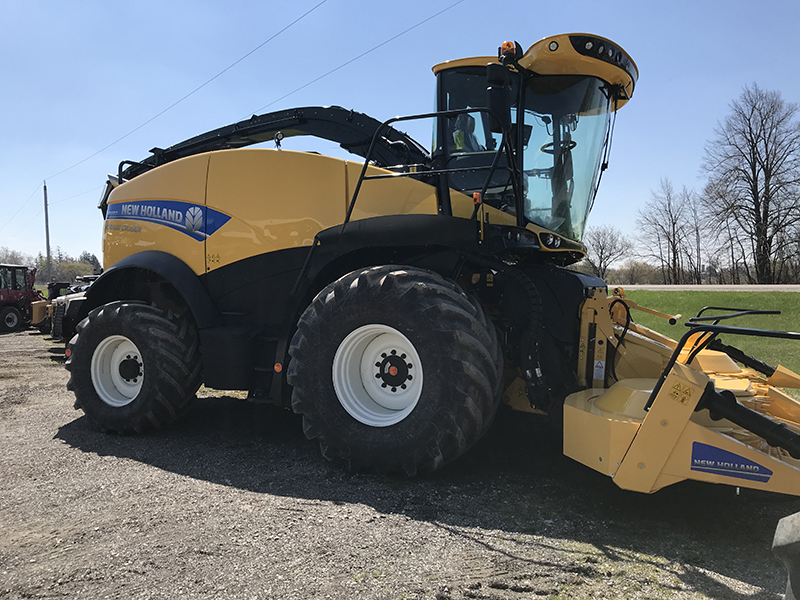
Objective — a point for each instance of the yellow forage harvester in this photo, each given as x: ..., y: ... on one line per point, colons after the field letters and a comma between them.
x: 395, y: 297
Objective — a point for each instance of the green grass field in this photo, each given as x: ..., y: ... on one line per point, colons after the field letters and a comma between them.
x: 770, y: 350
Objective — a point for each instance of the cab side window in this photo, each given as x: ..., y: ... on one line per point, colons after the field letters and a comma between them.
x: 19, y: 279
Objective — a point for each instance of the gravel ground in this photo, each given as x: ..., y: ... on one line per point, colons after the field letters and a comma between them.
x: 234, y: 502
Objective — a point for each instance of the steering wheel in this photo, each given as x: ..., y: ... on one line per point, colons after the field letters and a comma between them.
x: 549, y: 147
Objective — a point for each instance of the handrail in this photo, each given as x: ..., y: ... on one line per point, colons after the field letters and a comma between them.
x: 504, y: 145
x: 714, y: 330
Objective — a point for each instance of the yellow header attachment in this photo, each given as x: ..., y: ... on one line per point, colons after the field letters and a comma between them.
x: 569, y: 54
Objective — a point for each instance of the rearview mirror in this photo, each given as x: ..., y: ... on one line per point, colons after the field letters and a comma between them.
x: 499, y: 97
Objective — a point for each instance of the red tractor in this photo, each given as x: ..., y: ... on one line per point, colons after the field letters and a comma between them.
x: 16, y: 297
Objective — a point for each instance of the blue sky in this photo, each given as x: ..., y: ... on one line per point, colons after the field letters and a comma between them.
x: 77, y: 76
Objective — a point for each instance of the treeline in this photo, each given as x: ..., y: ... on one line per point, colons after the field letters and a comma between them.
x: 743, y: 226
x: 63, y: 267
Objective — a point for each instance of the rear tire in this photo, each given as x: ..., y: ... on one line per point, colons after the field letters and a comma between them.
x: 133, y: 367
x: 45, y: 326
x: 394, y: 369
x: 10, y: 319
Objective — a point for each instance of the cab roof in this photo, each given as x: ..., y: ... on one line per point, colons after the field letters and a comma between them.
x: 569, y: 54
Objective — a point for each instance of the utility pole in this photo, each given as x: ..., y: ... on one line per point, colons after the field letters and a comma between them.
x: 47, y: 235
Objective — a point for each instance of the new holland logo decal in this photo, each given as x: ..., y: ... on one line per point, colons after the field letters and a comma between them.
x: 710, y: 459
x: 198, y: 222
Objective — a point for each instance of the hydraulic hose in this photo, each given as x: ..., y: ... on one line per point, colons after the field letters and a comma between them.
x: 743, y: 358
x: 529, y: 344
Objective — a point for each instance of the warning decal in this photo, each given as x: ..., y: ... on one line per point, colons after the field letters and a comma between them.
x: 681, y: 393
x: 599, y: 370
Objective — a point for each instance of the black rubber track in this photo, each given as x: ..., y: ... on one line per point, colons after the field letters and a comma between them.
x: 170, y: 355
x: 457, y: 348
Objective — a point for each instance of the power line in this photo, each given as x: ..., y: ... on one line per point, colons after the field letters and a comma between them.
x: 363, y: 54
x: 36, y: 216
x: 197, y: 89
x: 150, y: 120
x: 94, y: 189
x: 41, y: 210
x: 38, y: 187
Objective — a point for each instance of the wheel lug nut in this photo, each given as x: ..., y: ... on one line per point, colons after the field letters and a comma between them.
x: 377, y: 375
x: 394, y: 389
x: 402, y: 386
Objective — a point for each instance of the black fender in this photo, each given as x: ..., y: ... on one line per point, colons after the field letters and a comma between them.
x: 397, y: 239
x: 113, y: 285
x: 435, y: 242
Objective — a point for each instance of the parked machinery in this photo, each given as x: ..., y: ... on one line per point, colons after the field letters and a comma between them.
x: 393, y: 302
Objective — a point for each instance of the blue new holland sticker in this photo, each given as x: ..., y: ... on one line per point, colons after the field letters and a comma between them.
x: 710, y: 459
x: 196, y: 221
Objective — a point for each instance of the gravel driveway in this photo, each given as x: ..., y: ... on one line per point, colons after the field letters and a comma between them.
x: 234, y: 502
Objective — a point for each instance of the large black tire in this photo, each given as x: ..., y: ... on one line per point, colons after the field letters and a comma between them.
x: 45, y: 326
x: 394, y: 369
x: 10, y: 319
x: 496, y: 351
x: 133, y: 367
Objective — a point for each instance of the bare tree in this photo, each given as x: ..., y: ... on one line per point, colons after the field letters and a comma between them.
x: 14, y: 257
x: 693, y: 236
x: 636, y: 272
x: 604, y: 246
x: 663, y: 230
x: 793, y: 259
x: 753, y: 165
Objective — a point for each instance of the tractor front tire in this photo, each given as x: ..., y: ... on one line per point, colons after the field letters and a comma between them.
x: 45, y: 326
x: 10, y: 319
x: 394, y: 369
x: 133, y: 367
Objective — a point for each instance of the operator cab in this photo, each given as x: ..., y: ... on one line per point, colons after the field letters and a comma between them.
x: 563, y: 91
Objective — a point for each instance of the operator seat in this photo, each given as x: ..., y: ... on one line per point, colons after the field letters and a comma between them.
x: 464, y: 135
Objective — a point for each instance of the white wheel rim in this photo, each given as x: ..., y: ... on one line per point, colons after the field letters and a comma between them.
x: 117, y: 371
x: 372, y: 377
x: 11, y: 319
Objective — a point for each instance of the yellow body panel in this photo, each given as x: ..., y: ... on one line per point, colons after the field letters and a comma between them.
x: 783, y: 377
x: 266, y: 200
x: 594, y: 437
x: 276, y: 199
x: 661, y: 429
x: 38, y: 311
x: 640, y: 356
x: 785, y: 477
x: 395, y: 196
x: 183, y: 181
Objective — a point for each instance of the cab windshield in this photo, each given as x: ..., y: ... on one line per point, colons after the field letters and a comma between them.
x: 560, y: 138
x: 565, y: 124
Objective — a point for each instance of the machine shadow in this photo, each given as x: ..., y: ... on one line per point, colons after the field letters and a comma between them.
x: 515, y: 481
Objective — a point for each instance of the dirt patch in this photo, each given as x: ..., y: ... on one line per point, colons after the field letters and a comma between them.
x: 234, y: 502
